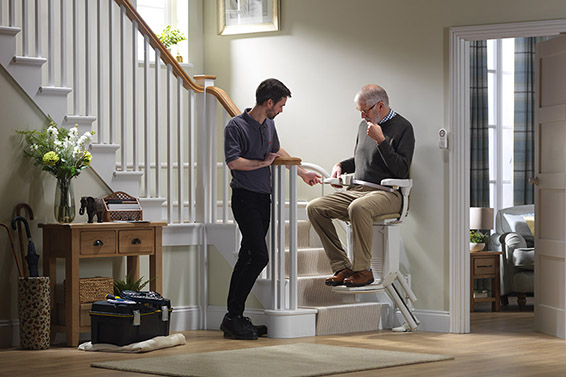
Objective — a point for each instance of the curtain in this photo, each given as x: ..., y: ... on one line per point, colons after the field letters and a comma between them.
x: 479, y: 128
x: 524, y: 130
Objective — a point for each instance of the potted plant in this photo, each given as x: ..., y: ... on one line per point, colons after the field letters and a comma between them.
x: 170, y: 37
x: 477, y: 240
x: 129, y: 284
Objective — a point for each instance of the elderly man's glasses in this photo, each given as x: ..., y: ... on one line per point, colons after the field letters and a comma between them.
x: 367, y: 110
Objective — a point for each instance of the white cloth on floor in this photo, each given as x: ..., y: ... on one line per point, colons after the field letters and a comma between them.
x: 147, y: 345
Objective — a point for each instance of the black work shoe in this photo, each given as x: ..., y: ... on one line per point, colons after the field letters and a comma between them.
x: 261, y: 329
x: 238, y: 328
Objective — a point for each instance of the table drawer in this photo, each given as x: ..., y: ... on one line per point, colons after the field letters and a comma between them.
x: 136, y: 241
x: 484, y: 266
x: 98, y: 242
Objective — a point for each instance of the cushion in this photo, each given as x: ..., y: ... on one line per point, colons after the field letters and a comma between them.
x: 524, y: 258
x: 518, y: 224
x: 530, y: 223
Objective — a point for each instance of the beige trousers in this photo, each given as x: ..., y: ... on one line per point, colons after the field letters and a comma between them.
x: 359, y: 205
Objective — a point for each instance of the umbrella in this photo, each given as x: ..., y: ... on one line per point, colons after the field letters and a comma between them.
x: 13, y: 250
x: 32, y: 257
x: 20, y: 233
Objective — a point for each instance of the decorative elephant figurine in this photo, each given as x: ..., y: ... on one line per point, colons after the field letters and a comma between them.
x: 93, y: 206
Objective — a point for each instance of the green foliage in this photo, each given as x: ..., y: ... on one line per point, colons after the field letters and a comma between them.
x: 477, y: 237
x: 129, y: 284
x: 170, y: 37
x: 58, y: 151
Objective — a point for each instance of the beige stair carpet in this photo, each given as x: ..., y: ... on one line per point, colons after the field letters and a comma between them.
x: 336, y: 313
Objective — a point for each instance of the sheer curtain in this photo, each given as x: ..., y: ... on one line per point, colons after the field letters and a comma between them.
x: 479, y: 127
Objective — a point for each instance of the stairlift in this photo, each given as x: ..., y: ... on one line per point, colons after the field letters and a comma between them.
x: 385, y: 259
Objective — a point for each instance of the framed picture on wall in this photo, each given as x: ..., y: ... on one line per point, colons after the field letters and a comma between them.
x: 247, y: 16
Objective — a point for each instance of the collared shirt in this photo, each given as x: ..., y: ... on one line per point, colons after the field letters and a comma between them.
x: 390, y: 115
x: 245, y: 137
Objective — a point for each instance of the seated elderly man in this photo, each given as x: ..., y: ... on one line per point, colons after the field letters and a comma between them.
x: 384, y: 149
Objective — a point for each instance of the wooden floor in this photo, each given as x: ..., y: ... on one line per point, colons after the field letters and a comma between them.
x: 500, y: 344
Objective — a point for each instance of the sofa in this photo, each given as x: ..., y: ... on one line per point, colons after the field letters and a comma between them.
x: 514, y: 236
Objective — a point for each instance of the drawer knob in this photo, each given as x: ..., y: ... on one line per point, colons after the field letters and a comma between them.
x: 98, y: 243
x: 136, y: 241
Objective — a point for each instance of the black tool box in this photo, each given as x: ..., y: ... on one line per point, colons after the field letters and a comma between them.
x: 131, y: 318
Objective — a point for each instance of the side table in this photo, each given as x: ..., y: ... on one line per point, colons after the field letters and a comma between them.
x: 76, y: 241
x: 485, y: 265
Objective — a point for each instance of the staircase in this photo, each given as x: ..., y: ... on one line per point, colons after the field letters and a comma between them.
x: 335, y: 313
x: 156, y: 139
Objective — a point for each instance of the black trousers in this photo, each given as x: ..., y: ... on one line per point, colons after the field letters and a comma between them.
x: 252, y: 212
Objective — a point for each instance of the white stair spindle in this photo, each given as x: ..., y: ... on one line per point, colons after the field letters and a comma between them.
x: 87, y: 61
x: 157, y: 123
x: 273, y: 237
x: 169, y: 144
x: 63, y: 47
x: 225, y: 178
x: 293, y: 237
x: 281, y: 235
x: 123, y: 124
x: 180, y: 142
x: 38, y: 31
x: 211, y: 108
x: 51, y: 43
x: 147, y: 172
x: 99, y: 100
x: 76, y: 103
x: 135, y: 146
x: 111, y: 63
x: 25, y: 28
x: 12, y: 12
x: 191, y: 135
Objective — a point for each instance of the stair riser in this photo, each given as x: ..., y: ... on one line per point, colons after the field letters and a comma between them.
x: 313, y: 292
x: 310, y: 262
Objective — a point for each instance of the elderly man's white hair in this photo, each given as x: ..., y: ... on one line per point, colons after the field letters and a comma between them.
x: 371, y: 94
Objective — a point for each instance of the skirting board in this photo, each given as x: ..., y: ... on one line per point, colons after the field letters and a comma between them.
x: 431, y: 320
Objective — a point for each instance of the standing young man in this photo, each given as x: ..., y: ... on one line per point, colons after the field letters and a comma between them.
x: 250, y: 146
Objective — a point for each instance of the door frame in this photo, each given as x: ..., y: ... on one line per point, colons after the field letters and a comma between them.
x: 459, y: 152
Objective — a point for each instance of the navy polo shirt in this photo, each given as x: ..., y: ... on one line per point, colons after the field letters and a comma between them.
x: 245, y: 137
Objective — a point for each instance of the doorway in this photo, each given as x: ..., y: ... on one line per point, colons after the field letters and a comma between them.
x: 459, y: 160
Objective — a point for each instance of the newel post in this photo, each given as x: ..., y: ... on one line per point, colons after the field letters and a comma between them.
x: 284, y: 319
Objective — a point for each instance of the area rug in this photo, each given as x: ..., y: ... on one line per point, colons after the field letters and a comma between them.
x: 289, y: 360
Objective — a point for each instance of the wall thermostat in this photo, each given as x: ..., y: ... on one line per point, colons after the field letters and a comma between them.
x: 442, y: 138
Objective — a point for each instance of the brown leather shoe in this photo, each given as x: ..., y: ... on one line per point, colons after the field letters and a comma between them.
x: 359, y: 279
x: 338, y: 278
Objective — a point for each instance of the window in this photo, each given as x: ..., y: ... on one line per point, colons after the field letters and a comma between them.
x: 160, y: 13
x: 501, y: 67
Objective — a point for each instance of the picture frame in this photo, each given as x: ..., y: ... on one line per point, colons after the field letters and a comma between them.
x: 247, y: 16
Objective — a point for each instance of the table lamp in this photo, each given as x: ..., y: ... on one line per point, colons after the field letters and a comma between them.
x: 481, y: 219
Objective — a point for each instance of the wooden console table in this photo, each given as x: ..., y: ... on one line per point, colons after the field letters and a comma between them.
x: 485, y: 265
x: 73, y: 242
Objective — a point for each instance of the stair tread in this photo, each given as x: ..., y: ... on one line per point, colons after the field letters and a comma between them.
x: 345, y: 305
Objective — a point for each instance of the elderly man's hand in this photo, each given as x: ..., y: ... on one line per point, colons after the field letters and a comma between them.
x: 375, y: 132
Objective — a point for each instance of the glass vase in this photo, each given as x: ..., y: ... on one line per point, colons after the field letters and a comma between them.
x: 64, y: 201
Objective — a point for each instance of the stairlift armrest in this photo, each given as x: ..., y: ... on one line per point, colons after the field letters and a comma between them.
x: 404, y: 184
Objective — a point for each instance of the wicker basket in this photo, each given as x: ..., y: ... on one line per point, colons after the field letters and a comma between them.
x: 128, y: 214
x: 95, y: 289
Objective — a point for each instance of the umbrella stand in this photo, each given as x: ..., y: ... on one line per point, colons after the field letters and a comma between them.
x: 19, y: 208
x: 20, y: 273
x: 32, y: 257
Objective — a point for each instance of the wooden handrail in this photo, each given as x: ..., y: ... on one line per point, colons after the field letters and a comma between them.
x: 286, y: 161
x: 167, y: 58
